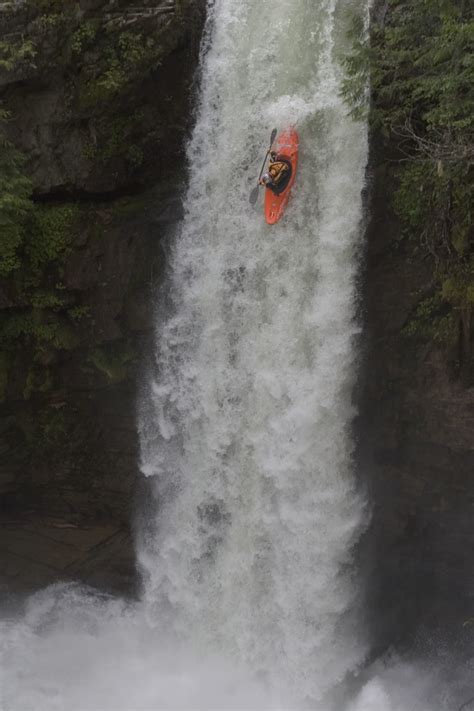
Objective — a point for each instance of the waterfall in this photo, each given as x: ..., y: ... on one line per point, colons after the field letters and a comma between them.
x: 248, y: 433
x: 251, y: 599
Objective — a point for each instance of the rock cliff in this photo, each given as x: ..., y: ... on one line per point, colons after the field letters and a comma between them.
x: 416, y: 437
x: 96, y: 105
x: 417, y: 417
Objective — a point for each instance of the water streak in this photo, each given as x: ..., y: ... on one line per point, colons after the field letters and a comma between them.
x: 248, y: 437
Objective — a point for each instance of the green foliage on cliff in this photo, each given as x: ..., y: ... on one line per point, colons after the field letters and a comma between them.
x: 33, y: 236
x: 420, y: 59
x: 41, y: 321
x: 15, y: 205
x: 113, y: 360
x: 120, y: 137
x: 126, y: 57
x: 37, y: 328
x: 425, y: 69
x: 423, y: 96
x: 84, y: 36
x: 50, y: 235
x: 433, y: 321
x: 15, y: 54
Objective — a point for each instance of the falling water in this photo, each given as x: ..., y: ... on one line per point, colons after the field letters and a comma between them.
x: 248, y: 437
x: 250, y: 595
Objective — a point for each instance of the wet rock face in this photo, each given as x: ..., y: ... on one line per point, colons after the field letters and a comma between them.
x: 417, y: 443
x: 98, y: 90
x: 100, y: 97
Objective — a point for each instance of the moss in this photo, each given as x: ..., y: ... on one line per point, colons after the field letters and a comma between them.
x: 51, y: 234
x: 37, y: 380
x: 433, y: 320
x: 46, y: 299
x: 16, y: 54
x: 113, y: 361
x: 44, y: 320
x: 36, y: 329
x: 84, y: 36
x: 452, y: 291
x: 15, y: 203
x: 120, y: 137
x: 458, y: 285
x: 460, y: 237
x: 79, y: 313
x: 47, y: 23
x: 125, y: 59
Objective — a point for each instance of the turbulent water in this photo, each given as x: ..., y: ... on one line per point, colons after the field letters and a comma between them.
x: 251, y: 599
x: 249, y: 434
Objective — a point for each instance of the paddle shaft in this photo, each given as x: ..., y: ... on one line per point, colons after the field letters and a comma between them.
x: 272, y: 138
x: 254, y: 193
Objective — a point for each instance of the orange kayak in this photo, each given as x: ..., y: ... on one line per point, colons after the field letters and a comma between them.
x: 285, y: 145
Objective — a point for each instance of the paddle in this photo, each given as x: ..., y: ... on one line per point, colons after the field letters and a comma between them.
x: 254, y: 194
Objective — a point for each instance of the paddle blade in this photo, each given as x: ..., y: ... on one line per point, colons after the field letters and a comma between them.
x: 254, y: 195
x: 273, y: 136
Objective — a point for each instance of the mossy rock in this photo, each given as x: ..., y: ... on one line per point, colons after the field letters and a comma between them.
x: 433, y: 320
x: 113, y: 361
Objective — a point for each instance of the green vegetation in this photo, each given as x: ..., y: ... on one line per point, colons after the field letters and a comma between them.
x: 39, y: 238
x: 84, y: 36
x: 50, y: 235
x: 433, y: 320
x: 102, y: 60
x: 40, y: 328
x: 15, y: 205
x: 16, y: 54
x: 79, y: 313
x: 120, y: 137
x: 420, y: 60
x: 113, y: 360
x: 43, y: 317
x: 33, y: 237
x: 126, y: 57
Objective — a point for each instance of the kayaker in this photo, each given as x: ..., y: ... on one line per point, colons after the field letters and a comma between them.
x: 278, y: 175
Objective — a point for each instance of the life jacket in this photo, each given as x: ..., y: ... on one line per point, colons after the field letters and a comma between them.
x: 277, y: 170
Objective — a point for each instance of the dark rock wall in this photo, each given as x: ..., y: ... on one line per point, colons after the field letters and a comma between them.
x: 416, y: 441
x: 100, y: 96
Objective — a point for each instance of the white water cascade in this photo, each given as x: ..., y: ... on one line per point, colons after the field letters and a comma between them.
x: 248, y: 438
x: 251, y: 600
